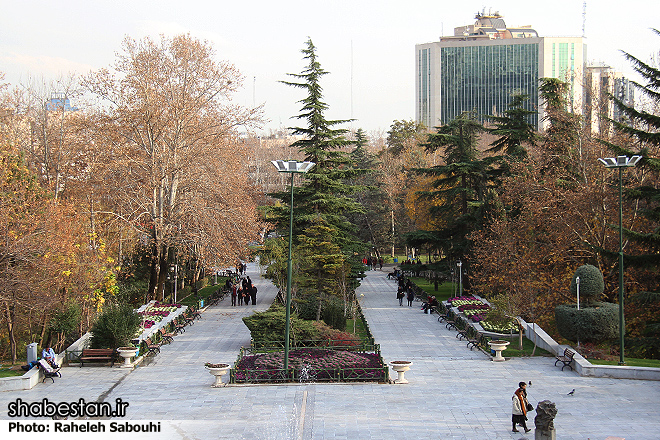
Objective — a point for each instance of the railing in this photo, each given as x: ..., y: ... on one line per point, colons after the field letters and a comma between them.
x: 275, y: 375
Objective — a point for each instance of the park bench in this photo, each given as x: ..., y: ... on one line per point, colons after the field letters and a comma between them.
x: 194, y: 314
x: 97, y: 354
x: 565, y: 359
x: 48, y: 371
x: 450, y: 321
x: 165, y: 336
x: 462, y: 334
x: 475, y: 341
x: 180, y: 324
x: 152, y: 347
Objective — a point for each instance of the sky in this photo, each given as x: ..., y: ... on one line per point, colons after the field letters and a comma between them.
x: 368, y: 47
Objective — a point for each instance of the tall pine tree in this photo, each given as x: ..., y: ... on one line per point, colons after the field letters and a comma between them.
x: 323, y: 198
x: 643, y: 128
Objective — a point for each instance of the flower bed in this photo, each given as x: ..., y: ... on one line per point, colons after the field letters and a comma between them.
x: 155, y: 313
x: 476, y: 310
x: 471, y: 307
x: 318, y: 363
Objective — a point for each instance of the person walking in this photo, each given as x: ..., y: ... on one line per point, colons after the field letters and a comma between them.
x: 400, y: 295
x: 410, y: 297
x: 253, y: 294
x: 233, y: 294
x: 520, y: 405
x: 239, y: 293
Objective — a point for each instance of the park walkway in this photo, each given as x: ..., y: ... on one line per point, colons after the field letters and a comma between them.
x: 454, y: 393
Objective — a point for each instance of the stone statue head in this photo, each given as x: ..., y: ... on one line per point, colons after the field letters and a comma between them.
x: 545, y: 415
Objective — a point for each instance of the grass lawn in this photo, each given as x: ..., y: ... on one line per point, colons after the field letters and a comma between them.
x: 630, y: 362
x: 444, y: 292
x: 203, y: 293
x: 513, y: 351
x: 360, y: 330
x: 6, y: 372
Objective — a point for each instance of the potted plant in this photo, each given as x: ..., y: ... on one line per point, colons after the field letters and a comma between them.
x: 217, y: 370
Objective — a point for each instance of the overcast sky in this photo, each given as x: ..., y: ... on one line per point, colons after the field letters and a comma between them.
x: 367, y: 46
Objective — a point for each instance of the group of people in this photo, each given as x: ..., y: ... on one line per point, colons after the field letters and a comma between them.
x: 242, y: 290
x: 372, y: 262
x: 520, y: 407
x: 404, y: 290
x: 241, y: 268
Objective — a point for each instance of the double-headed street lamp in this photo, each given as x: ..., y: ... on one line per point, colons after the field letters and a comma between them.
x: 620, y: 162
x: 293, y: 167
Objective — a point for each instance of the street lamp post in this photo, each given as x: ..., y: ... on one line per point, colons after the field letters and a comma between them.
x: 620, y: 162
x: 460, y: 278
x: 293, y: 167
x: 175, y: 268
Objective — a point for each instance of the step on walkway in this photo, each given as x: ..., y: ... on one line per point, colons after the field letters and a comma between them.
x: 454, y: 393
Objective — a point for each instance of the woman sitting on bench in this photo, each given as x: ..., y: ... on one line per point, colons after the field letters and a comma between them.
x: 432, y: 302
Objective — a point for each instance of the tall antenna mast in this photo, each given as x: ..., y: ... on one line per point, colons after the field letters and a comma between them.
x: 351, y: 83
x: 584, y: 18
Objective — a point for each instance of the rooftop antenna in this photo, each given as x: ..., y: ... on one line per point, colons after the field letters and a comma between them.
x: 584, y: 18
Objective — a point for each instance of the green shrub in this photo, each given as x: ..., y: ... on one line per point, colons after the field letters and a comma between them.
x: 643, y: 348
x: 115, y: 326
x: 333, y: 313
x: 307, y: 307
x: 269, y: 326
x: 591, y: 283
x: 595, y: 322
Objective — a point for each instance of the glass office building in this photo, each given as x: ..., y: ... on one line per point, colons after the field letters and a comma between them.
x: 482, y: 79
x: 482, y: 66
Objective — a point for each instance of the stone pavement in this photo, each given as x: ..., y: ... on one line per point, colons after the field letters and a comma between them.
x: 454, y: 393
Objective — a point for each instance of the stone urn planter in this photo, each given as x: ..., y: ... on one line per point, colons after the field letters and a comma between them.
x: 127, y: 353
x: 401, y: 367
x: 217, y: 370
x: 498, y: 347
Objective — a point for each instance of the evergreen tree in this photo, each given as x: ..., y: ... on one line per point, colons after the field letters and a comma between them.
x: 643, y: 128
x: 514, y: 129
x: 460, y: 185
x: 562, y: 129
x: 324, y: 196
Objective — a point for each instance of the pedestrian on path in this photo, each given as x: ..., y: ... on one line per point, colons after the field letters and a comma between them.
x: 233, y: 294
x: 239, y: 293
x: 400, y: 295
x: 410, y: 297
x: 519, y: 412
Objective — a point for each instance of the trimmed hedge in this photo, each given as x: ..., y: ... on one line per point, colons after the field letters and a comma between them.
x: 591, y: 283
x: 595, y: 322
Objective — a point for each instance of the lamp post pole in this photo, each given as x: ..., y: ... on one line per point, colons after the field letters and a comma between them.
x: 289, y: 274
x: 460, y: 278
x: 292, y: 167
x: 621, y: 162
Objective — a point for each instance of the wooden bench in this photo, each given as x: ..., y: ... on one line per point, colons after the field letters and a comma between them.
x: 462, y: 334
x: 97, y: 354
x: 476, y: 341
x: 48, y: 370
x: 152, y: 347
x: 165, y: 336
x: 565, y: 359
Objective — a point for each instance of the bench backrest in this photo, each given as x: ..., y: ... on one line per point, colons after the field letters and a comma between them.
x: 46, y: 366
x: 569, y: 353
x: 97, y: 351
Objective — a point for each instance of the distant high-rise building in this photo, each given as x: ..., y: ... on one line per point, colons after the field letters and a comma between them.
x: 482, y: 65
x: 59, y: 101
x: 601, y: 81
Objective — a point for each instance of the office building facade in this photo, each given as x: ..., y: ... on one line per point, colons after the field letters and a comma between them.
x: 481, y: 66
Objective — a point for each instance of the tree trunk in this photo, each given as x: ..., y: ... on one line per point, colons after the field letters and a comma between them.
x: 9, y: 314
x: 162, y: 274
x: 153, y: 275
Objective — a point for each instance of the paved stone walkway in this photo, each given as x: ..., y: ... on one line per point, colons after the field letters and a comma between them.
x: 454, y: 393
